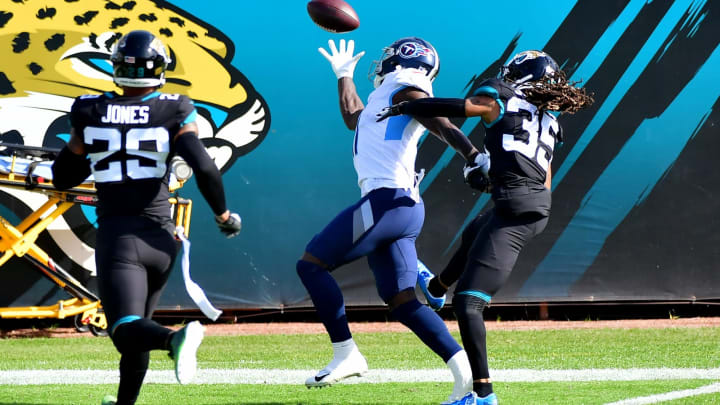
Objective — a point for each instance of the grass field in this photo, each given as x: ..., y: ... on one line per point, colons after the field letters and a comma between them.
x: 576, y: 366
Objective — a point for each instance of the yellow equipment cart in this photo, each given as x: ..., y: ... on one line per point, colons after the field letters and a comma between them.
x: 28, y: 168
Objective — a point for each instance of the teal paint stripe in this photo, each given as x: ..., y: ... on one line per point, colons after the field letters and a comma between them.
x: 626, y: 182
x: 643, y: 58
x: 445, y: 159
x: 476, y: 294
x: 609, y: 38
x: 479, y: 204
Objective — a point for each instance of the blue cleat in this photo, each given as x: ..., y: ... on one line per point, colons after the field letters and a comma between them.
x: 490, y: 399
x: 424, y: 277
x: 467, y: 399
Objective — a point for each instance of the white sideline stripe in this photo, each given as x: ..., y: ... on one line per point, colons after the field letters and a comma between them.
x: 282, y: 376
x: 668, y: 396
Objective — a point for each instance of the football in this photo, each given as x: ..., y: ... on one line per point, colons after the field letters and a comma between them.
x: 333, y: 15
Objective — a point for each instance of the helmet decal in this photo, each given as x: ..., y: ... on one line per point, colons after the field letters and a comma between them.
x: 409, y: 50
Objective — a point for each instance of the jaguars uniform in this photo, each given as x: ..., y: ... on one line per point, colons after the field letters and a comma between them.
x: 128, y: 141
x: 520, y: 142
x: 129, y: 145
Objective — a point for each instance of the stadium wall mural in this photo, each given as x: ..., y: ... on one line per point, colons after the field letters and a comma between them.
x: 634, y: 206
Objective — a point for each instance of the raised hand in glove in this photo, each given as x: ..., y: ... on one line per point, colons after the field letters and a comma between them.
x: 231, y: 226
x: 395, y: 109
x: 342, y: 60
x: 476, y: 173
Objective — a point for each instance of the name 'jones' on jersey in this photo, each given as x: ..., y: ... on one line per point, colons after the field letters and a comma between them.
x: 126, y: 114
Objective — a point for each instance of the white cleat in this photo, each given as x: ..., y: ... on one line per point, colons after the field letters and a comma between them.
x: 184, y: 346
x: 354, y: 365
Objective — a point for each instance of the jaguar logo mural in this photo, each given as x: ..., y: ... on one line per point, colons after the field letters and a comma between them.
x: 56, y: 50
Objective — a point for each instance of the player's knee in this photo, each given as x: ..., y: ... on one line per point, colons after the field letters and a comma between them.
x: 402, y: 312
x: 396, y: 300
x: 122, y: 340
x: 305, y: 269
x: 467, y: 306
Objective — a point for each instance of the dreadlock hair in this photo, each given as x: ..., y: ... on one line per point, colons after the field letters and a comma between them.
x: 557, y: 94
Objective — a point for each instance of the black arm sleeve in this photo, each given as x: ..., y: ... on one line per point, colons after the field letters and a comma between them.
x: 209, y: 181
x: 435, y: 107
x: 69, y: 169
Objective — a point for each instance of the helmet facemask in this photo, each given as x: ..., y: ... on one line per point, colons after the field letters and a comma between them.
x: 139, y: 60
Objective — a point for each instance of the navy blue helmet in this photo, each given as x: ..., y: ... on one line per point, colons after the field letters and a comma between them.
x: 529, y: 66
x: 139, y: 60
x: 408, y: 52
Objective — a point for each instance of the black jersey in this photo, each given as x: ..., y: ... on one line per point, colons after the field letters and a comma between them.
x: 129, y: 143
x: 520, y: 142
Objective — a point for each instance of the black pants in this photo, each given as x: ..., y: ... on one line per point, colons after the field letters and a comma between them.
x: 488, y: 251
x: 134, y: 257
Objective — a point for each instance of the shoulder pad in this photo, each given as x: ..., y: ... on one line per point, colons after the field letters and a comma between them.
x: 413, y: 78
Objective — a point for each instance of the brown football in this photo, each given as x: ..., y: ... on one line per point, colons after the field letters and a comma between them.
x: 333, y: 15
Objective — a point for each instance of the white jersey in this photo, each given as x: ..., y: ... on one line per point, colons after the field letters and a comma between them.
x: 384, y: 152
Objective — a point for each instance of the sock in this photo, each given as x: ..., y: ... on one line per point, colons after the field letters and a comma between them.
x: 141, y: 335
x: 482, y: 389
x: 462, y: 374
x: 428, y: 326
x: 341, y: 351
x: 133, y: 367
x: 468, y: 310
x: 327, y: 298
x: 435, y: 288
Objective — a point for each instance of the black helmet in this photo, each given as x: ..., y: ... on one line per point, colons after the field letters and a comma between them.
x: 529, y: 66
x: 139, y: 60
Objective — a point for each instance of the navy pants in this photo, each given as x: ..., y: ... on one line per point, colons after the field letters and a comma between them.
x: 383, y: 226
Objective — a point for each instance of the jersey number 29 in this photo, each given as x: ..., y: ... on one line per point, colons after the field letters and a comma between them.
x: 146, y: 151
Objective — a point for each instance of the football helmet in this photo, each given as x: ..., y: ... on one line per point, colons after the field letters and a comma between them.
x: 139, y: 60
x: 408, y: 52
x: 529, y: 66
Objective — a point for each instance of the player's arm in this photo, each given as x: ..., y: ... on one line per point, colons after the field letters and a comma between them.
x: 209, y: 180
x: 439, y: 126
x: 343, y: 64
x: 476, y: 106
x: 71, y: 167
x: 350, y: 103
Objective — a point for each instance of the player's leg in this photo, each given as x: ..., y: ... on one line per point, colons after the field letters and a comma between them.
x: 342, y: 240
x: 490, y: 261
x: 159, y: 250
x: 124, y: 290
x: 395, y: 276
x: 394, y: 265
x: 438, y: 286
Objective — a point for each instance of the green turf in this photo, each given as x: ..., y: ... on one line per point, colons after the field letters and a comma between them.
x: 542, y: 349
x: 587, y: 393
x: 558, y: 349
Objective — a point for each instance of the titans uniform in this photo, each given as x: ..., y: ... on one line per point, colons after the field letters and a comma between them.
x: 384, y: 224
x: 128, y: 141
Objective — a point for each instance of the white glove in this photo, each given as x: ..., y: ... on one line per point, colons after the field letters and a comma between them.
x: 343, y: 62
x: 476, y: 173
